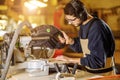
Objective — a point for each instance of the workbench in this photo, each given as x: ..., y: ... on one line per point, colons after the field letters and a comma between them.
x: 18, y: 72
x: 26, y: 76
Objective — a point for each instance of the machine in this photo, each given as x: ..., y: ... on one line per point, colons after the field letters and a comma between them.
x: 29, y: 50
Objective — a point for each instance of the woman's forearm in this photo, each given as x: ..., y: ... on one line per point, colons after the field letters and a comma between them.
x: 74, y: 60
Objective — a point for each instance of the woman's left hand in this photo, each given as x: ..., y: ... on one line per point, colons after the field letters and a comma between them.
x: 62, y: 58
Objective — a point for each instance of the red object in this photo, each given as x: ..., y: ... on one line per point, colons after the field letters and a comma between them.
x: 57, y: 15
x: 58, y: 52
x: 113, y: 77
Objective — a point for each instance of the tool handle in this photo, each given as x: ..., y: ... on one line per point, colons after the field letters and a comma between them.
x: 74, y: 68
x: 57, y: 67
x: 66, y: 68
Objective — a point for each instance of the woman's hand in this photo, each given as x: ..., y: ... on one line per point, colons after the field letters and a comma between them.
x: 62, y: 58
x: 66, y: 39
x: 68, y: 59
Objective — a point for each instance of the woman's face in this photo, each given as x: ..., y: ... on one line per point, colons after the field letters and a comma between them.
x: 73, y: 20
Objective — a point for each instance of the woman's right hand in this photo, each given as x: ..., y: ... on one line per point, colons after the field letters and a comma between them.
x: 66, y: 39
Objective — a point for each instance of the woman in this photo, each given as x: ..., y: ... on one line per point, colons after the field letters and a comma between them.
x: 95, y: 41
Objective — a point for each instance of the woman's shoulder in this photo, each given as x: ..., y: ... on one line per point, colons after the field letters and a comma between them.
x: 97, y: 23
